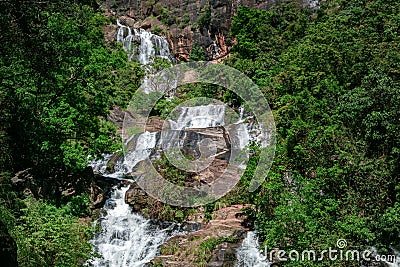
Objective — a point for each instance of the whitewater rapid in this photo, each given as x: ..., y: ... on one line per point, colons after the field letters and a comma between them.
x: 127, y: 239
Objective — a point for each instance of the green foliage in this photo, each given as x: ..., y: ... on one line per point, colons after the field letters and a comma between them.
x: 166, y: 17
x: 9, y: 201
x: 158, y: 263
x: 204, y: 16
x: 45, y: 235
x: 48, y: 236
x: 197, y: 54
x: 170, y: 172
x: 123, y: 83
x: 160, y: 64
x: 58, y: 80
x: 77, y: 206
x: 332, y: 80
x: 185, y: 20
x: 159, y: 30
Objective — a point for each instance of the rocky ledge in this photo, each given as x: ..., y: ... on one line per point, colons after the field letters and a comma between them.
x: 213, y: 245
x: 187, y: 25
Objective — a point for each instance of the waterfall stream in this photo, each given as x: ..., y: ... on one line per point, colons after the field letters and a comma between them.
x: 199, y: 117
x: 146, y: 144
x: 127, y: 239
x: 143, y: 44
x: 249, y: 255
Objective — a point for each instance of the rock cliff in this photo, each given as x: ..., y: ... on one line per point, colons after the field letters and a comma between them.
x: 191, y: 27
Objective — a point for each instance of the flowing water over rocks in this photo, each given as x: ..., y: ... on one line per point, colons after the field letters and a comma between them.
x: 188, y: 130
x: 143, y: 44
x: 249, y: 254
x: 126, y: 238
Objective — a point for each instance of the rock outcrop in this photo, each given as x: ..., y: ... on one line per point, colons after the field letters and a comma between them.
x: 137, y: 198
x: 187, y: 24
x: 226, y: 228
x: 31, y: 182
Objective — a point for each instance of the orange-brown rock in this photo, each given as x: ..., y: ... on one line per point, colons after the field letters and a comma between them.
x: 154, y: 124
x: 227, y: 224
x: 192, y: 22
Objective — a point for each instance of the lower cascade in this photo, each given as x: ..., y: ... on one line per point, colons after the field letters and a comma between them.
x: 127, y: 239
x: 249, y: 254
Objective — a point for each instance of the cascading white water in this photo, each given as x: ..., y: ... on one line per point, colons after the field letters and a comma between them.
x: 124, y: 36
x: 146, y: 49
x: 313, y: 4
x: 242, y: 134
x: 144, y: 145
x: 151, y: 45
x: 161, y: 47
x: 127, y: 239
x: 199, y: 117
x: 100, y: 165
x: 248, y: 255
x: 241, y: 115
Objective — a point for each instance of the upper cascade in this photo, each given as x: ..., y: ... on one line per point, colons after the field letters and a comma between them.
x: 199, y: 117
x: 142, y: 44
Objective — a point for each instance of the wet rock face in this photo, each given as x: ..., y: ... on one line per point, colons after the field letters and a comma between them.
x: 136, y: 198
x: 187, y: 23
x: 224, y: 255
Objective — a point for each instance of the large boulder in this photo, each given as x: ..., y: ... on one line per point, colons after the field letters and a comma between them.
x: 136, y: 198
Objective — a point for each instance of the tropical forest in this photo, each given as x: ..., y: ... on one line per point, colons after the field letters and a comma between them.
x: 194, y: 133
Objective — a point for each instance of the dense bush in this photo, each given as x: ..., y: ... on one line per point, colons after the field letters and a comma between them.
x: 50, y: 236
x: 58, y: 80
x: 332, y: 81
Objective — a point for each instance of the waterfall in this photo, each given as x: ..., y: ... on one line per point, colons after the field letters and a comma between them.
x: 144, y: 145
x: 162, y: 47
x: 241, y: 115
x: 100, y: 165
x: 127, y: 239
x: 313, y: 4
x: 148, y: 144
x: 199, y: 117
x: 240, y: 135
x: 143, y: 44
x: 249, y: 255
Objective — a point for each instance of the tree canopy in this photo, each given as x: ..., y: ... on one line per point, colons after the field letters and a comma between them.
x: 332, y: 80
